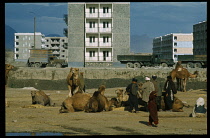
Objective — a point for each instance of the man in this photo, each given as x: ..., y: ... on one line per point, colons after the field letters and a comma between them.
x: 170, y: 90
x: 158, y: 89
x: 132, y: 89
x: 147, y: 88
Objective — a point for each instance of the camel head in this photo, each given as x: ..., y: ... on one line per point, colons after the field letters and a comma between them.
x: 119, y: 92
x: 196, y: 73
x: 102, y: 88
x: 8, y: 67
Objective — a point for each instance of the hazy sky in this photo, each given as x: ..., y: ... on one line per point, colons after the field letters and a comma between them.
x: 151, y: 18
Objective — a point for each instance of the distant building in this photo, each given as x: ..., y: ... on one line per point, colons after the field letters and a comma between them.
x: 59, y: 45
x: 200, y: 38
x: 171, y: 45
x: 97, y: 32
x: 24, y: 42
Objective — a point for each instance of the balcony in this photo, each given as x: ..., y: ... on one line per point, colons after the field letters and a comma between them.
x: 91, y: 15
x: 105, y: 44
x: 98, y: 59
x: 105, y: 30
x: 91, y: 30
x: 65, y: 18
x: 105, y: 15
x: 94, y: 44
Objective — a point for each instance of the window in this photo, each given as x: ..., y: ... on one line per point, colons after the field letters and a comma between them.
x: 105, y: 9
x: 17, y: 37
x: 175, y: 37
x: 63, y: 50
x: 92, y: 53
x: 17, y: 43
x: 105, y: 24
x: 92, y: 24
x: 175, y: 50
x: 17, y: 49
x: 105, y: 54
x: 92, y: 39
x: 17, y: 55
x: 92, y: 9
x: 105, y: 39
x: 175, y: 44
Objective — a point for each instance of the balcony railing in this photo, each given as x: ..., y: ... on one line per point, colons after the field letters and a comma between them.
x: 98, y: 59
x: 91, y: 15
x: 100, y: 29
x: 105, y: 15
x: 91, y: 43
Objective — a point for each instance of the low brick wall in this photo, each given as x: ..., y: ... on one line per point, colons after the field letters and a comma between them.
x: 55, y: 79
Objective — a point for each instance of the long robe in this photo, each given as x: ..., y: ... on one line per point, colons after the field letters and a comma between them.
x: 152, y: 106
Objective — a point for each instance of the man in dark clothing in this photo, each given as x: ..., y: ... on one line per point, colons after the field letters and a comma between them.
x: 158, y: 89
x: 132, y: 89
x: 170, y: 90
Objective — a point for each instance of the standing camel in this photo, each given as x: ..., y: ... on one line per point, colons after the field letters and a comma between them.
x: 75, y: 81
x: 8, y: 67
x: 181, y: 74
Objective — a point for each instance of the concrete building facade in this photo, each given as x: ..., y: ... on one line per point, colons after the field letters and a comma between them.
x: 200, y: 38
x: 97, y: 33
x: 24, y: 42
x: 59, y: 45
x: 171, y: 45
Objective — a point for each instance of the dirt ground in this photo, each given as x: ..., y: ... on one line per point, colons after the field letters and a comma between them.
x: 116, y: 122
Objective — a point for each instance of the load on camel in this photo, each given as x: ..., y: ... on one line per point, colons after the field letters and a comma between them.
x: 181, y: 74
x: 75, y: 103
x: 75, y: 81
x: 98, y: 102
x: 8, y: 67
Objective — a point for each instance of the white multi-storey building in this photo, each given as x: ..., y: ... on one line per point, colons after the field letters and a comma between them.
x: 97, y: 33
x: 24, y: 42
x: 171, y: 45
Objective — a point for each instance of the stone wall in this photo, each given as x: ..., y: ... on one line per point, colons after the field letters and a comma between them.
x: 55, y: 79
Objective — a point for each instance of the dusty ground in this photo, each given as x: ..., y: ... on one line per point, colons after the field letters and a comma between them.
x: 117, y: 122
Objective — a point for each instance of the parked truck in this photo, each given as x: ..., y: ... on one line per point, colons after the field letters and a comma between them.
x: 193, y: 61
x: 44, y: 57
x: 137, y: 61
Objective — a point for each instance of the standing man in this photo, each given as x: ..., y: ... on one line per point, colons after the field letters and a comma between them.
x: 147, y: 88
x: 132, y: 89
x: 158, y: 89
x: 170, y: 90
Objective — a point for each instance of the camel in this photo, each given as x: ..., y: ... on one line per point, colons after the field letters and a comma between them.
x: 75, y: 103
x: 39, y: 97
x: 75, y: 81
x: 98, y: 102
x: 181, y: 74
x: 177, y: 105
x: 8, y: 67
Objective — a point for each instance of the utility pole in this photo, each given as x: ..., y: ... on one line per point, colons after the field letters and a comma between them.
x: 34, y: 32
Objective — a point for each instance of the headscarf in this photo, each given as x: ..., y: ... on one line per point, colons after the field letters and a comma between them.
x: 200, y: 101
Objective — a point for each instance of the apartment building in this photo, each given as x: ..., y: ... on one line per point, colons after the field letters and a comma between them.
x: 24, y: 42
x: 200, y: 38
x: 59, y: 46
x: 97, y: 32
x: 171, y: 45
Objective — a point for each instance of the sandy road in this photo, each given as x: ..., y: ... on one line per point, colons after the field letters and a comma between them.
x: 117, y: 122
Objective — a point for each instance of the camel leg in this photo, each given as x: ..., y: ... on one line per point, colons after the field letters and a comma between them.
x: 184, y: 85
x: 75, y: 90
x: 70, y: 94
